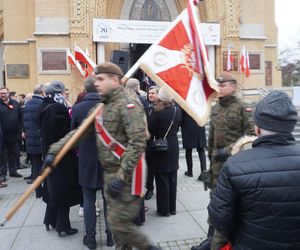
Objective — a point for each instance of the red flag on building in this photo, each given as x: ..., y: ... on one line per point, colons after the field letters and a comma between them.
x: 243, y: 59
x: 179, y: 62
x: 82, y: 57
x: 247, y: 70
x: 230, y: 60
x: 73, y: 61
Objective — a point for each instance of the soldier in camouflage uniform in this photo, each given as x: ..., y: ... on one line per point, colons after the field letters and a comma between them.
x: 123, y: 117
x: 230, y: 119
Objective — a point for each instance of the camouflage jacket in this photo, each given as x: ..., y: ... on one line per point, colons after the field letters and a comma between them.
x: 230, y: 120
x: 123, y: 117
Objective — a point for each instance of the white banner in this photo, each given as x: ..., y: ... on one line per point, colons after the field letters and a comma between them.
x: 131, y: 31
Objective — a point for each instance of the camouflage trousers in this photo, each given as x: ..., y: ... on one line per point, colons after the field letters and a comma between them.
x: 121, y: 214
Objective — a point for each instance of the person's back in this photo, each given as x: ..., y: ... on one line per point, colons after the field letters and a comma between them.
x: 256, y: 204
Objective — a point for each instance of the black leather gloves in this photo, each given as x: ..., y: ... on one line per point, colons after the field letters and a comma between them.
x: 115, y: 187
x: 221, y: 154
x: 48, y: 162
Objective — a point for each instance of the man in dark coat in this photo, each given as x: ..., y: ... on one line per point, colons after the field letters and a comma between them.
x: 32, y: 132
x: 256, y: 204
x: 11, y: 119
x: 193, y: 136
x: 2, y: 185
x: 90, y: 170
x: 61, y: 189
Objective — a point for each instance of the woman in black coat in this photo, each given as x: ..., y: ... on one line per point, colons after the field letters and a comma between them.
x: 193, y: 136
x: 165, y: 163
x: 61, y: 189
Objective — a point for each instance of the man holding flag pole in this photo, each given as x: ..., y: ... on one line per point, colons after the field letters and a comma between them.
x: 179, y: 62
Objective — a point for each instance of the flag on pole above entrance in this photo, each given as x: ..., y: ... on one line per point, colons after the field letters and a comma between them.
x: 179, y: 62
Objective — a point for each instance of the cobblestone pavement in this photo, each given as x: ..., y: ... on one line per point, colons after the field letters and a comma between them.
x: 26, y: 230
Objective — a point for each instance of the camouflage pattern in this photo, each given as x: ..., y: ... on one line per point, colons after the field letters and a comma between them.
x: 123, y: 117
x: 230, y: 119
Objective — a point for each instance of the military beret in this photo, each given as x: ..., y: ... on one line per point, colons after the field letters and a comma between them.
x: 226, y: 77
x: 108, y: 68
x: 55, y: 87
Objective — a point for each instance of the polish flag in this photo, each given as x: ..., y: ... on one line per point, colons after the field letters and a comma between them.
x: 73, y: 61
x: 230, y: 60
x: 179, y: 62
x: 243, y: 60
x: 247, y: 70
x: 82, y: 57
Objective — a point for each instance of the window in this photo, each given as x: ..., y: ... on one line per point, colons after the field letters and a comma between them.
x: 53, y: 61
x: 256, y: 62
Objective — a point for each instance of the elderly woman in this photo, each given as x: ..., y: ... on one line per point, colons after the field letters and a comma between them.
x: 61, y: 189
x: 164, y: 121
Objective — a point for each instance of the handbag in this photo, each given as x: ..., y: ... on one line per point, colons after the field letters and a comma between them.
x: 161, y: 144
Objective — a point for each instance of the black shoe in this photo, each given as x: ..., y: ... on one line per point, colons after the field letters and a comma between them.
x: 173, y: 212
x: 200, y: 177
x: 29, y: 177
x: 29, y: 181
x: 2, y: 179
x: 109, y: 240
x: 188, y: 174
x: 90, y: 242
x: 68, y: 232
x: 165, y: 215
x: 148, y: 194
x: 153, y: 248
x: 16, y: 175
x: 38, y: 193
x: 204, y: 245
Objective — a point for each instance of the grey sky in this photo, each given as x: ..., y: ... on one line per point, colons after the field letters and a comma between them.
x: 287, y: 16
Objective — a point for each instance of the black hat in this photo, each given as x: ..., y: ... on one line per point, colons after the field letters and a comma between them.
x: 276, y: 113
x: 55, y: 87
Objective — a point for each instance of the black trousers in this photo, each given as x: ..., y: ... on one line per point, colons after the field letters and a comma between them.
x: 189, y: 159
x: 166, y: 191
x: 37, y: 164
x: 9, y: 158
x: 150, y: 174
x: 58, y: 218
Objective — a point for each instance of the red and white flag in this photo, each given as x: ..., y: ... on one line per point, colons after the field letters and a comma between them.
x: 179, y: 62
x: 82, y: 57
x: 73, y: 61
x: 230, y: 60
x: 247, y: 71
x: 243, y: 59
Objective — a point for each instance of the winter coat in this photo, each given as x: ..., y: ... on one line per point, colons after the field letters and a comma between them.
x: 11, y: 119
x: 61, y: 189
x: 193, y: 136
x: 90, y: 170
x: 256, y: 204
x: 158, y: 124
x: 30, y: 125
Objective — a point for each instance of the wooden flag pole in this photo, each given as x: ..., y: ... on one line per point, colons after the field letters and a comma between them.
x: 37, y: 182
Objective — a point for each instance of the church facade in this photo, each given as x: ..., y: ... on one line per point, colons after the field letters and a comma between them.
x: 37, y: 34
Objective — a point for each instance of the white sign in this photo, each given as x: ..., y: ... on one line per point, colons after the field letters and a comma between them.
x: 296, y: 96
x: 131, y: 31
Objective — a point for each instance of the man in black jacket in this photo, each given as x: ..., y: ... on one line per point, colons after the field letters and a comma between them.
x: 33, y: 134
x: 11, y: 118
x: 256, y: 204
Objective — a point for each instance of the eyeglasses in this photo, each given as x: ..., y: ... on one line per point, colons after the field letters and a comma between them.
x: 223, y: 80
x: 4, y: 93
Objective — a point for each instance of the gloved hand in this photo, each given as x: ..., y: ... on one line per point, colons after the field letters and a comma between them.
x: 221, y: 154
x: 115, y: 187
x: 48, y: 162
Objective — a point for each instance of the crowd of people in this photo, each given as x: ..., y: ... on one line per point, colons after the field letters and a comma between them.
x: 254, y: 199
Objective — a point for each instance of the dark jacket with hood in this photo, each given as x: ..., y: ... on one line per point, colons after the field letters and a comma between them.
x: 256, y: 204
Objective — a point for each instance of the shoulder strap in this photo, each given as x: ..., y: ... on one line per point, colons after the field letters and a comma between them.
x: 170, y: 123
